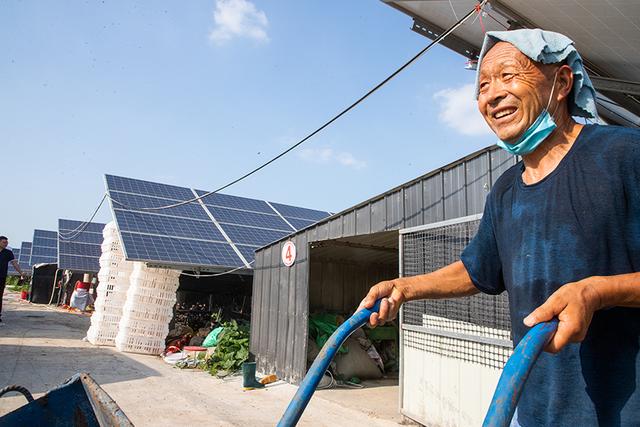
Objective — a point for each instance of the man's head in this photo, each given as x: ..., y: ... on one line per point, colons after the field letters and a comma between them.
x: 513, y: 90
x: 4, y: 242
x: 521, y: 72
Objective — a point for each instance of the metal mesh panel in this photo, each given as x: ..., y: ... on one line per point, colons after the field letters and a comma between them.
x: 475, y: 328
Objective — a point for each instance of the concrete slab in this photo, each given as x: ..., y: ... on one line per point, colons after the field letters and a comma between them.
x: 40, y: 347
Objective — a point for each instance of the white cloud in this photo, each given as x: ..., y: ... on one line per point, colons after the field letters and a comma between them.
x: 459, y: 110
x: 326, y: 155
x: 238, y: 18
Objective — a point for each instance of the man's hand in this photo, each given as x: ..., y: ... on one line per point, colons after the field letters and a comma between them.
x: 573, y: 304
x: 392, y: 299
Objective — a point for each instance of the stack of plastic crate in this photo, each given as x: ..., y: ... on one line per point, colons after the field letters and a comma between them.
x: 112, y: 289
x: 149, y: 308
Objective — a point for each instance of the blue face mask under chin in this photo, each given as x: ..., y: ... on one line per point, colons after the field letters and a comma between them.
x: 535, y: 134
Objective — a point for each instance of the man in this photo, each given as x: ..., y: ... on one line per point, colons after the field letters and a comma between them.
x: 560, y: 233
x: 6, y: 256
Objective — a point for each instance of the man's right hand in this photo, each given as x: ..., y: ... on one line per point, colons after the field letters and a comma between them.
x: 392, y: 299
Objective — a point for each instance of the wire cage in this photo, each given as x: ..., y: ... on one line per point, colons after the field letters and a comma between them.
x: 457, y: 347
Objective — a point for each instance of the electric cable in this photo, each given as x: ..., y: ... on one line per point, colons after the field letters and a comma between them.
x: 218, y: 274
x: 75, y: 233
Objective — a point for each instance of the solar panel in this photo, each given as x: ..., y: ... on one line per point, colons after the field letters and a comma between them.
x: 25, y: 256
x: 44, y: 249
x: 300, y: 213
x: 221, y: 230
x: 235, y: 202
x: 79, y: 250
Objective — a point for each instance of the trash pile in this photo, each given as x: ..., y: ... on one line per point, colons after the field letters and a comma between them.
x: 201, y: 339
x: 367, y: 354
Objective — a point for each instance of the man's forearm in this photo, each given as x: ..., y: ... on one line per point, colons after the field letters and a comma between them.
x: 448, y: 282
x: 622, y: 290
x: 17, y: 267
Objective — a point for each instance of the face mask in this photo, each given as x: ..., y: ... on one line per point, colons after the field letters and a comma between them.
x: 536, y: 133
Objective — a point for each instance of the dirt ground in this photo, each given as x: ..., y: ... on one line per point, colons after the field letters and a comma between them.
x: 40, y: 347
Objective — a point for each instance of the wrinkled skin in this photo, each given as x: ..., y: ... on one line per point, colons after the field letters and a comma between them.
x: 512, y: 85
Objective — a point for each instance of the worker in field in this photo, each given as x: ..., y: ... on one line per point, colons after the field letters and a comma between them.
x: 6, y: 257
x: 560, y: 233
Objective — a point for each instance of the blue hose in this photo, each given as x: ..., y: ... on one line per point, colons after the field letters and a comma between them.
x: 515, y: 374
x: 321, y: 363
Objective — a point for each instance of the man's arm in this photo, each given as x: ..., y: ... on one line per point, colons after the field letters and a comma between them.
x: 574, y: 304
x: 448, y: 282
x: 17, y: 266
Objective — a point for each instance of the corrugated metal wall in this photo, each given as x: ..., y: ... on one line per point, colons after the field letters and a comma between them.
x: 280, y: 305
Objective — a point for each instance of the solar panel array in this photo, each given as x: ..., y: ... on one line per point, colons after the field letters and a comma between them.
x: 221, y: 230
x: 79, y: 251
x: 25, y: 257
x: 44, y: 248
x: 16, y: 255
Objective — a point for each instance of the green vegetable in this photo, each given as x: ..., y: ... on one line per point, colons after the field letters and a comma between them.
x: 232, y: 349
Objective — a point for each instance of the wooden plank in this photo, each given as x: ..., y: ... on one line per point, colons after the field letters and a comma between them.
x: 256, y: 309
x: 266, y: 296
x: 433, y: 203
x: 413, y: 204
x: 349, y: 224
x: 283, y: 319
x: 363, y: 220
x: 273, y: 304
x: 378, y: 215
x: 301, y: 315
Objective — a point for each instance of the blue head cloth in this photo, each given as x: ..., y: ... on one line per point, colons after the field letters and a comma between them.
x: 548, y: 47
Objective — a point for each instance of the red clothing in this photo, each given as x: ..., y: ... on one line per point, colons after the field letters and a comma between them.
x: 83, y: 285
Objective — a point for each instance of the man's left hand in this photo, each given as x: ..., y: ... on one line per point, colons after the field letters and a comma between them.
x: 573, y: 304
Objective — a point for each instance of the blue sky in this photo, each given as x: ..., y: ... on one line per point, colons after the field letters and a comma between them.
x: 196, y: 93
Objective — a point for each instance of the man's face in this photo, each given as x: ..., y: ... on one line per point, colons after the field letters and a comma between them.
x: 513, y: 90
x: 3, y: 243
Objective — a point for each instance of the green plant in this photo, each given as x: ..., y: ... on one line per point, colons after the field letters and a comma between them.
x: 232, y: 349
x: 15, y: 284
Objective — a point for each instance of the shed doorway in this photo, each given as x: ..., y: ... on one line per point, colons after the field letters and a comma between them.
x: 341, y: 272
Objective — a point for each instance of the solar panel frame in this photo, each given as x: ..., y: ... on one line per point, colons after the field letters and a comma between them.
x: 214, y: 232
x: 25, y: 256
x: 289, y: 211
x: 235, y: 202
x: 79, y: 245
x: 44, y: 248
x: 176, y: 251
x: 154, y: 224
x: 137, y: 186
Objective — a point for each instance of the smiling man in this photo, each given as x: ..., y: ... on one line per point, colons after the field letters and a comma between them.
x: 560, y: 233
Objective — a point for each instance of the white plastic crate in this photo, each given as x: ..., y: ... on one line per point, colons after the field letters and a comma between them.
x: 139, y: 344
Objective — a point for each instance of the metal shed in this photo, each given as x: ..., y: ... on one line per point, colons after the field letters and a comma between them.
x: 339, y: 258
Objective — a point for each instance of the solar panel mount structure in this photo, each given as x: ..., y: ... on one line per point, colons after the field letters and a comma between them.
x: 79, y: 250
x: 44, y: 249
x: 214, y: 233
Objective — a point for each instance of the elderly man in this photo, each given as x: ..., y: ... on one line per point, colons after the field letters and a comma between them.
x: 560, y: 233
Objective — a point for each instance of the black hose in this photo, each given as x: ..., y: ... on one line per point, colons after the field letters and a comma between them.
x: 19, y: 389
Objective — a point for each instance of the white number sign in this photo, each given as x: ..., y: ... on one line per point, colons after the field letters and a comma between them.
x: 289, y: 254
